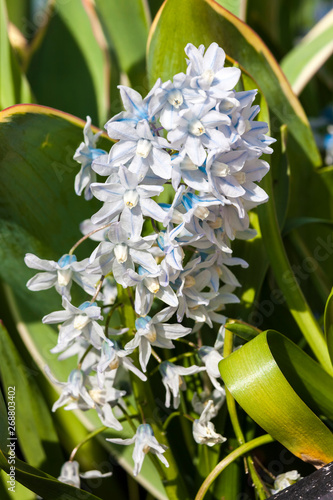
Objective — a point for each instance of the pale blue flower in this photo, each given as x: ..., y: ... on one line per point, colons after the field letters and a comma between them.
x: 142, y: 149
x: 85, y: 154
x: 204, y: 430
x: 145, y: 441
x: 208, y: 72
x: 196, y: 130
x: 136, y: 107
x: 112, y: 357
x: 173, y: 381
x: 60, y: 274
x: 127, y: 195
x: 121, y: 252
x: 70, y: 474
x: 77, y: 321
x: 149, y: 286
x: 154, y: 331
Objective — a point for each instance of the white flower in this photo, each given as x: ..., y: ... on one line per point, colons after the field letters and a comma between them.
x: 172, y: 378
x: 60, y: 274
x: 85, y: 154
x: 284, y: 480
x: 70, y: 474
x: 145, y: 441
x: 77, y: 321
x: 204, y: 430
x: 200, y: 401
x: 208, y: 72
x: 211, y: 358
x: 151, y: 331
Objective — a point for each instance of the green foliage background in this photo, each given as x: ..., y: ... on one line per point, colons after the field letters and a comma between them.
x: 71, y: 55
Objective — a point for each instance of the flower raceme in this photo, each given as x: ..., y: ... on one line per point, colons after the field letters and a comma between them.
x: 195, y: 141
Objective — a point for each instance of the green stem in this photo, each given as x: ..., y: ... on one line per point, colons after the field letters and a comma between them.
x: 286, y: 279
x: 176, y: 414
x: 85, y: 440
x: 172, y: 480
x: 231, y: 404
x: 245, y: 448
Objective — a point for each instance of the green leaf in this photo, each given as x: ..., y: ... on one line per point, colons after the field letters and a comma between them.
x: 297, y: 222
x: 280, y: 387
x: 43, y: 484
x: 37, y: 148
x: 204, y: 22
x: 305, y: 59
x: 242, y: 330
x: 14, y: 87
x: 38, y: 203
x: 37, y: 437
x: 328, y: 323
x: 126, y: 25
x: 236, y: 7
x: 70, y: 55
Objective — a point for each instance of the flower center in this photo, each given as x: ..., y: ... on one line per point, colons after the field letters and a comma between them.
x: 143, y: 148
x: 196, y: 127
x: 131, y: 198
x: 151, y: 335
x: 114, y: 363
x: 175, y: 98
x: 240, y: 177
x: 187, y: 164
x: 152, y: 284
x: 80, y: 321
x: 64, y: 277
x: 216, y: 224
x: 121, y: 252
x: 98, y: 395
x: 220, y: 169
x: 201, y: 212
x: 208, y: 76
x: 189, y: 281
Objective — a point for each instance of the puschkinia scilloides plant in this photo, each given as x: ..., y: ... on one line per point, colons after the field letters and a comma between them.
x: 159, y: 266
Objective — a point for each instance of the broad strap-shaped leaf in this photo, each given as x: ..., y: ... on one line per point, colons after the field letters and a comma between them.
x: 305, y: 59
x: 328, y: 324
x: 35, y: 431
x: 39, y: 210
x: 43, y: 484
x: 14, y: 87
x: 82, y: 76
x: 236, y: 7
x: 126, y: 26
x: 204, y: 22
x: 280, y: 387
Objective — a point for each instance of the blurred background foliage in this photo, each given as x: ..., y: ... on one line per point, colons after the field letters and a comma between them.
x: 71, y: 55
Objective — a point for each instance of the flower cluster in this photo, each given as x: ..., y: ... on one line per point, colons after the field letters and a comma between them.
x: 196, y: 140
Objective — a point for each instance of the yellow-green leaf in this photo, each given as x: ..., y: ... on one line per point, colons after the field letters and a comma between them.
x: 14, y: 87
x: 328, y: 323
x: 281, y: 387
x: 305, y: 59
